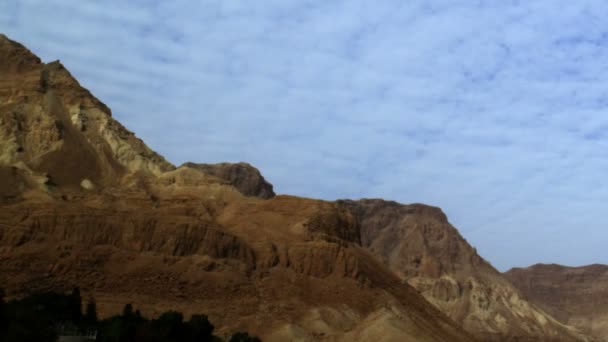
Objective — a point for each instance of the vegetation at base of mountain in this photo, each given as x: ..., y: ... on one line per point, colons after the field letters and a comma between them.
x: 243, y: 337
x: 47, y: 316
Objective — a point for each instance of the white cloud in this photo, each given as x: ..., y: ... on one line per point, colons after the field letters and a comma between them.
x: 492, y: 110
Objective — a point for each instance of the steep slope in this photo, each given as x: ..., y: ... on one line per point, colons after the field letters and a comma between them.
x: 85, y: 203
x: 575, y: 295
x: 244, y: 177
x: 54, y: 132
x: 418, y: 243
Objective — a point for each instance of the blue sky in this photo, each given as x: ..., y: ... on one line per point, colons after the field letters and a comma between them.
x: 496, y: 111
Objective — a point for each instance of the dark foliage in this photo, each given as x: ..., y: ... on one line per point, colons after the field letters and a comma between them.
x: 34, y: 318
x: 75, y: 303
x: 42, y: 317
x: 169, y: 327
x: 2, y: 315
x: 243, y: 337
x: 90, y: 314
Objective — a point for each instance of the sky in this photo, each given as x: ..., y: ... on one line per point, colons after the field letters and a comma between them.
x: 495, y: 111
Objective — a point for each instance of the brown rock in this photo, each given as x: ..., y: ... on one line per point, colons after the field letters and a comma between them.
x: 271, y: 267
x: 419, y: 244
x: 575, y: 295
x: 245, y: 178
x: 51, y: 126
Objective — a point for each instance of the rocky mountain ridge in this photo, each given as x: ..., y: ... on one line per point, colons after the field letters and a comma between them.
x: 86, y: 203
x: 418, y: 244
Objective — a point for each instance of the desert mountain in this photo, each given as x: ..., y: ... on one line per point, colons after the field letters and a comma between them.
x: 421, y: 247
x: 575, y: 295
x: 85, y: 203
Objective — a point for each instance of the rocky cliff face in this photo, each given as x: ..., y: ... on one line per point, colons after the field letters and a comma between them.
x: 85, y: 203
x: 284, y: 268
x: 575, y: 295
x: 418, y: 243
x: 245, y: 178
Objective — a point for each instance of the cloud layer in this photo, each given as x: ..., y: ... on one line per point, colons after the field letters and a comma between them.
x: 494, y: 110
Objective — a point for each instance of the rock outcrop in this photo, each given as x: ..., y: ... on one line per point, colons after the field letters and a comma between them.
x: 245, y: 178
x: 575, y: 295
x: 419, y: 244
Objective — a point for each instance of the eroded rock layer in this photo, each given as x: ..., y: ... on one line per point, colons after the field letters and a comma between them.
x: 419, y: 244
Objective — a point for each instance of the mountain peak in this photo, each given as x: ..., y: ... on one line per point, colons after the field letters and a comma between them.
x: 243, y: 176
x: 15, y: 57
x: 52, y: 128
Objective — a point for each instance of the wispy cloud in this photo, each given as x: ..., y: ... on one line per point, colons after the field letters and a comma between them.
x: 493, y: 110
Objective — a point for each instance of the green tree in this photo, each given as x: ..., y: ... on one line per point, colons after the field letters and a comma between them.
x: 3, y: 313
x: 170, y: 325
x: 75, y: 306
x: 90, y: 314
x: 199, y: 328
x: 127, y: 311
x: 116, y: 329
x: 243, y: 337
